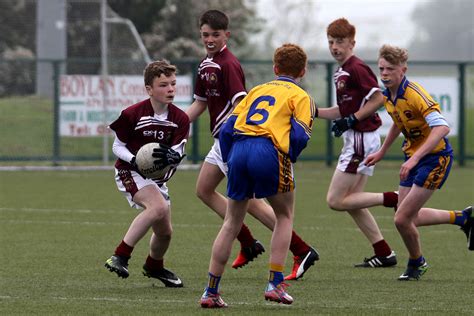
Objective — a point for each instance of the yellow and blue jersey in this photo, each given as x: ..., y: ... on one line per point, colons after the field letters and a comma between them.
x: 408, y: 111
x: 279, y: 110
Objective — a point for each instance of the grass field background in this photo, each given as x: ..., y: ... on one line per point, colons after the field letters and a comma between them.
x: 58, y: 228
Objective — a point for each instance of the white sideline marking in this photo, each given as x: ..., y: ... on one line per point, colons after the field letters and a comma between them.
x: 313, y: 303
x: 185, y: 166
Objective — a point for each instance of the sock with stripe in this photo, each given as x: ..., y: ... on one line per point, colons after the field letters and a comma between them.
x: 276, y: 274
x: 213, y: 285
x: 458, y: 217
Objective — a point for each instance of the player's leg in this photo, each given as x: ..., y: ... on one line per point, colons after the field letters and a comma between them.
x: 304, y: 255
x: 133, y: 186
x: 208, y: 179
x: 221, y: 250
x: 283, y: 205
x: 462, y: 218
x: 343, y: 184
x: 159, y: 244
x: 411, y: 199
x: 212, y: 172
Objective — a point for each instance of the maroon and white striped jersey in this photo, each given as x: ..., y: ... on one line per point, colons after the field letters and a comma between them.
x: 355, y: 83
x: 220, y: 81
x: 138, y: 125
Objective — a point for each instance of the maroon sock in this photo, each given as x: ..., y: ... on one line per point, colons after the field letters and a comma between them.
x: 124, y: 250
x: 390, y: 199
x: 245, y: 237
x: 297, y: 246
x: 381, y: 248
x: 154, y: 264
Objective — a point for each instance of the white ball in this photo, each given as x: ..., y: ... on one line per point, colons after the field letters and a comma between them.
x: 145, y: 162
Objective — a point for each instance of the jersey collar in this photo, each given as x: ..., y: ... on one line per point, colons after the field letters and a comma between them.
x: 401, y: 90
x: 288, y: 79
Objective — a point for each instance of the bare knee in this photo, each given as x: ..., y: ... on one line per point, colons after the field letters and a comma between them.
x: 334, y: 203
x: 158, y: 212
x: 204, y: 193
x: 401, y: 222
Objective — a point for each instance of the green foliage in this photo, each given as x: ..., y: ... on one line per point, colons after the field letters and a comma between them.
x: 58, y: 228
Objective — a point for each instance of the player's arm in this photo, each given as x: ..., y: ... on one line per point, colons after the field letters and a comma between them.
x: 331, y: 113
x: 301, y: 126
x: 374, y: 100
x: 196, y: 109
x: 120, y: 150
x: 393, y: 133
x: 226, y: 136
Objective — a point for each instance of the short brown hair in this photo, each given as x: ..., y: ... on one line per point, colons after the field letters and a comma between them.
x: 290, y: 59
x: 216, y: 19
x: 156, y: 69
x: 393, y: 54
x: 341, y: 28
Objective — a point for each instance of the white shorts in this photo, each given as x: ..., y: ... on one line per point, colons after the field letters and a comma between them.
x: 214, y: 157
x: 357, y: 146
x: 130, y: 182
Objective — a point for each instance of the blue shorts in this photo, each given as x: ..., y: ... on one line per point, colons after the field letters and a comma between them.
x: 430, y: 172
x: 257, y: 169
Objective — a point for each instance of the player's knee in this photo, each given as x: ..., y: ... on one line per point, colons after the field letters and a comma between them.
x: 401, y: 222
x: 203, y: 193
x: 158, y: 212
x: 334, y: 203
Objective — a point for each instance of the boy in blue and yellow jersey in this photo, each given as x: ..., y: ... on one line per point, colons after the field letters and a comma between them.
x: 428, y: 157
x: 220, y: 86
x: 263, y: 136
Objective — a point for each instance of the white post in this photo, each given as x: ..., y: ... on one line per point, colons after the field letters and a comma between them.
x: 105, y: 73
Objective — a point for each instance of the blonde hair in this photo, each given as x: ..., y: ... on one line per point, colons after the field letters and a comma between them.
x: 394, y: 55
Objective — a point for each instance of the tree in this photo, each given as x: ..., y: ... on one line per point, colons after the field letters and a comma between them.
x: 175, y: 31
x: 445, y: 30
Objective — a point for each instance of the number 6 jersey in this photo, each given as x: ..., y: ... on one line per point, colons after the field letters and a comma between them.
x: 279, y: 110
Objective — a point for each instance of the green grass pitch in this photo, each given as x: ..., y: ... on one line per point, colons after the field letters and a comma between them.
x: 58, y: 228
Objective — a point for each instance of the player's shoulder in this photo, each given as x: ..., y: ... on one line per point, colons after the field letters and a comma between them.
x: 227, y: 58
x: 177, y: 114
x: 141, y: 106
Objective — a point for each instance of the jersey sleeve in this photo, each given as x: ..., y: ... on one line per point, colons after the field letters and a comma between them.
x: 424, y: 102
x: 199, y: 89
x: 234, y: 80
x: 226, y: 136
x: 301, y: 125
x: 182, y: 132
x: 366, y: 80
x: 122, y: 127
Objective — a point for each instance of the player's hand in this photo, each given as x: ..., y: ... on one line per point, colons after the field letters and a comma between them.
x: 166, y: 156
x: 372, y: 159
x: 406, y: 167
x: 341, y: 125
x: 135, y: 166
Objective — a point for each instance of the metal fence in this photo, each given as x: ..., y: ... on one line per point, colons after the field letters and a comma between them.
x: 30, y: 123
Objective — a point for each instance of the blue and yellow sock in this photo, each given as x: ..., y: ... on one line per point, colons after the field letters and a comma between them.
x: 213, y: 285
x: 276, y: 274
x: 458, y: 217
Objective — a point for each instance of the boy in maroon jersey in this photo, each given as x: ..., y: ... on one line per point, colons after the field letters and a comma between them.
x: 152, y: 120
x: 220, y: 85
x: 358, y: 98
